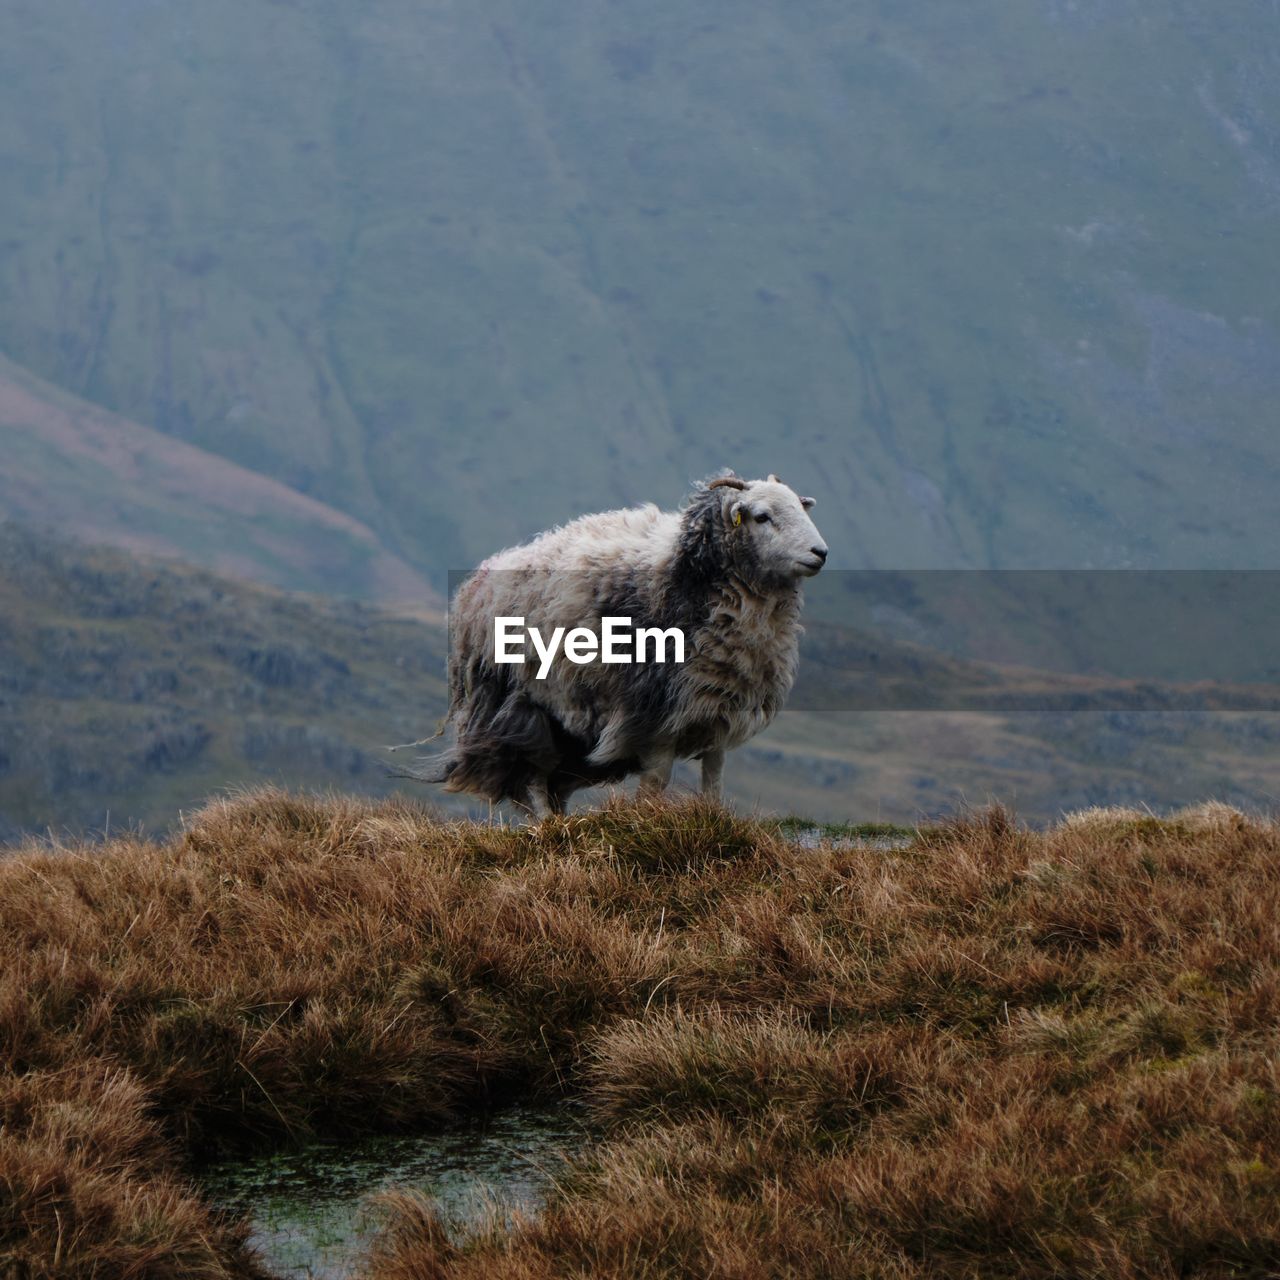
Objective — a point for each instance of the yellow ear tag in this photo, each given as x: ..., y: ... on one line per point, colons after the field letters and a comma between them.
x: 737, y: 518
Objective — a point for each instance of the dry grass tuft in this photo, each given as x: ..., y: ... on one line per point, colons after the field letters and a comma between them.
x: 991, y: 1053
x: 90, y: 1187
x: 1102, y: 818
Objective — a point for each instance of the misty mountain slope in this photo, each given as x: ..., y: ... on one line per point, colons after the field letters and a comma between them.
x: 70, y: 466
x: 993, y: 282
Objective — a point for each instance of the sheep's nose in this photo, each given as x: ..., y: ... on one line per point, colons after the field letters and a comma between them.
x: 820, y: 552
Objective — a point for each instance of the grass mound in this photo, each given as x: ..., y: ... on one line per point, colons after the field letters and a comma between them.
x: 987, y: 1052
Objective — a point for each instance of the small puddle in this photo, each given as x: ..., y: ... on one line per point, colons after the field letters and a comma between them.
x: 308, y: 1205
x: 813, y: 837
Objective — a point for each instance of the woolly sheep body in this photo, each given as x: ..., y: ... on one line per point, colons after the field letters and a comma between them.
x: 730, y: 585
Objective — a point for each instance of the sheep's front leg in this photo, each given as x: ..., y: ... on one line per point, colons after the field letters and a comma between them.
x: 712, y: 773
x: 654, y: 780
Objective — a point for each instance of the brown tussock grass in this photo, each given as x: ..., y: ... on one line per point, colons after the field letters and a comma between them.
x: 992, y: 1053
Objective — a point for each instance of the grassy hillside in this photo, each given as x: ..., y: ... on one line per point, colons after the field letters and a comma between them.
x: 990, y: 1052
x: 134, y: 689
x: 987, y: 279
x: 130, y: 690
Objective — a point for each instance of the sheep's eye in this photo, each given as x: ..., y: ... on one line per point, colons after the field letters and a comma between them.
x: 762, y: 518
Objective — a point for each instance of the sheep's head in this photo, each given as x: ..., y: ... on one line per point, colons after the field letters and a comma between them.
x: 768, y: 528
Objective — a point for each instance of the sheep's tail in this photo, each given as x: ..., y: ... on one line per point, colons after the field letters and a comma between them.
x: 436, y: 768
x: 421, y: 742
x: 505, y: 744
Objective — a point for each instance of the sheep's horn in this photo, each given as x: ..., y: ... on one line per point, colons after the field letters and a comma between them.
x: 728, y: 482
x: 773, y: 479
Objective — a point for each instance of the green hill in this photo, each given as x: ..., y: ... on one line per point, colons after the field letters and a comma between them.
x: 991, y: 281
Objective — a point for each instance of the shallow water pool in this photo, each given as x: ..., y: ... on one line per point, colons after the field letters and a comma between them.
x: 309, y: 1206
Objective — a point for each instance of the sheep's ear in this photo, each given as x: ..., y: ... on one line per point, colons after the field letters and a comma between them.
x: 735, y: 513
x: 806, y: 503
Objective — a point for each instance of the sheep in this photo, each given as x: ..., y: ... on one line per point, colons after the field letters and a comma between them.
x: 725, y: 571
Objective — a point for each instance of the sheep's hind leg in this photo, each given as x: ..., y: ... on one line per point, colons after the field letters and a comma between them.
x: 526, y: 806
x: 526, y: 813
x: 554, y: 799
x: 654, y: 780
x: 712, y: 775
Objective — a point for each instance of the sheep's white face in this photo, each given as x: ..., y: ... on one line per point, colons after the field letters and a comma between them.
x: 785, y: 541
